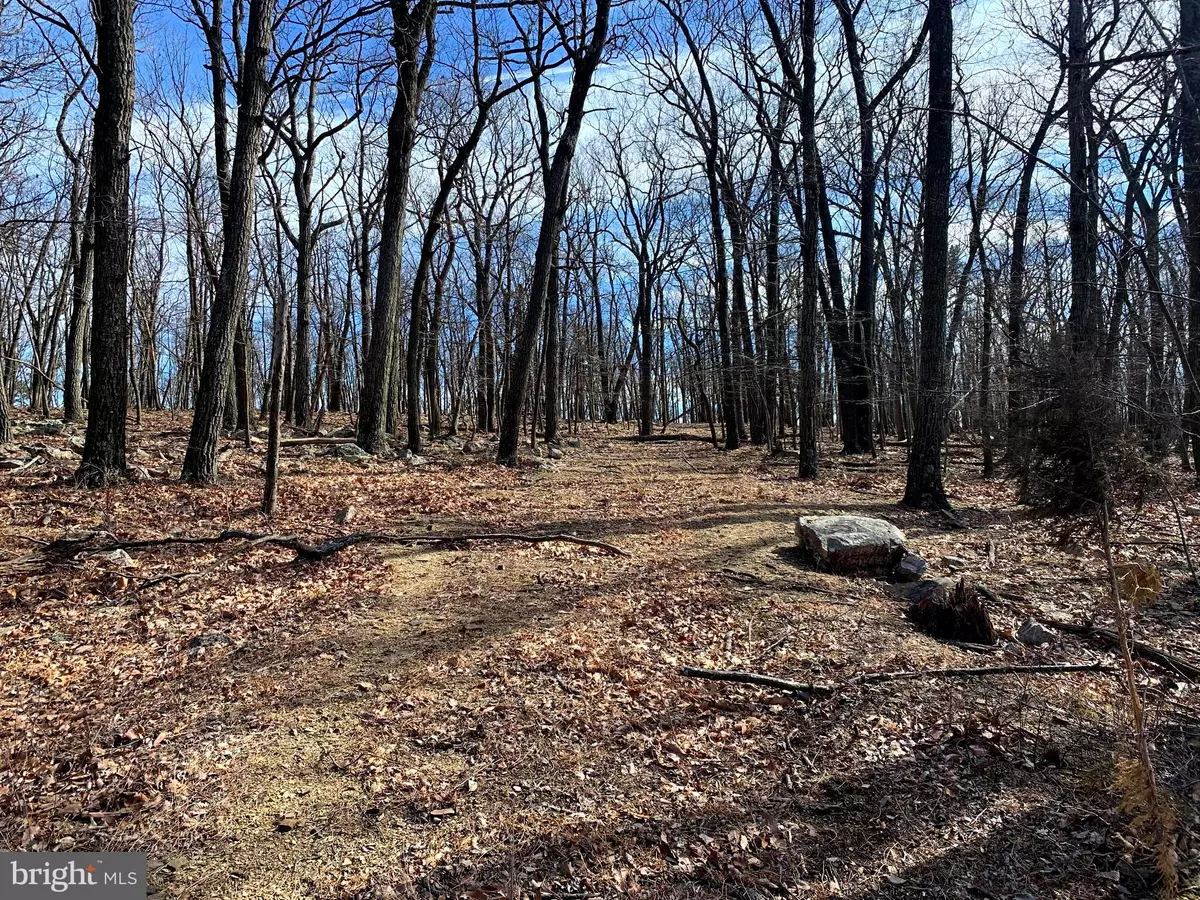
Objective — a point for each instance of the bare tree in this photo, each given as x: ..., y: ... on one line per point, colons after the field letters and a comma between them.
x: 108, y: 395
x: 924, y: 486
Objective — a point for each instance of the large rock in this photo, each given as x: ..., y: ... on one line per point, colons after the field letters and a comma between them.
x: 850, y: 543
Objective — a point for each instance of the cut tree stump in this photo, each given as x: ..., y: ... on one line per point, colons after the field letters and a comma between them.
x: 950, y: 613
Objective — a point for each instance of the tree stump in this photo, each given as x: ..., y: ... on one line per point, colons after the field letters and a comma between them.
x: 954, y: 613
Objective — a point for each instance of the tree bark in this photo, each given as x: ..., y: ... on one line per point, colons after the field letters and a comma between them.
x: 807, y: 428
x: 521, y: 361
x: 108, y: 388
x: 1189, y: 67
x: 200, y: 462
x: 409, y: 28
x: 81, y: 295
x: 924, y: 487
x: 1084, y: 322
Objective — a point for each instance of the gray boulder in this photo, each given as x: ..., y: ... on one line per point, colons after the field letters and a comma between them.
x: 349, y: 452
x: 850, y: 543
x: 1033, y: 633
x: 910, y: 568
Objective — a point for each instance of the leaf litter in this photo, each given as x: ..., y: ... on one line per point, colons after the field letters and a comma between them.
x: 490, y: 720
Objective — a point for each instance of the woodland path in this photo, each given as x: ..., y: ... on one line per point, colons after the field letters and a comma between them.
x: 499, y: 720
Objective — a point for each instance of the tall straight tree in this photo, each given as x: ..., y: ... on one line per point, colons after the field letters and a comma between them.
x: 486, y: 96
x: 1015, y: 335
x: 924, y: 488
x: 1085, y: 317
x: 585, y: 59
x: 410, y: 27
x: 200, y: 462
x: 856, y: 390
x: 108, y: 391
x: 1189, y: 67
x: 807, y: 423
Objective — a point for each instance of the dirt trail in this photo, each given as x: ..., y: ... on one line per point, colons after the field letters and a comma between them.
x: 503, y: 720
x: 292, y: 805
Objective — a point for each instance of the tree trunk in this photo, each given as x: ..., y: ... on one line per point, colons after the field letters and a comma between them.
x: 81, y: 291
x: 1084, y: 322
x: 108, y: 390
x: 379, y: 390
x: 521, y: 361
x: 200, y: 462
x: 1189, y: 66
x: 807, y: 427
x: 924, y: 487
x: 553, y: 298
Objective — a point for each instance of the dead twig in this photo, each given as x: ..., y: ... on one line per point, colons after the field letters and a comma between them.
x: 1142, y: 651
x: 880, y: 677
x: 982, y: 671
x: 761, y: 680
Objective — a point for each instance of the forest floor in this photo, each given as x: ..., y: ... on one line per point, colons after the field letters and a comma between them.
x: 492, y: 719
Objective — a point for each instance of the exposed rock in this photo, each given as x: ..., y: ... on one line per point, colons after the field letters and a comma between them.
x: 544, y: 465
x: 349, y: 452
x: 554, y: 453
x: 1033, y: 633
x: 910, y: 568
x: 45, y: 428
x: 118, y: 558
x: 344, y: 432
x: 956, y: 614
x: 346, y: 515
x: 215, y: 639
x: 850, y: 543
x: 576, y: 443
x: 474, y: 446
x: 416, y: 460
x: 76, y: 445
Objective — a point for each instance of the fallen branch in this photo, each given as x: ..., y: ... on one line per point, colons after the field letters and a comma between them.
x: 760, y: 680
x: 1110, y: 638
x: 309, y: 552
x: 983, y: 671
x: 878, y: 677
